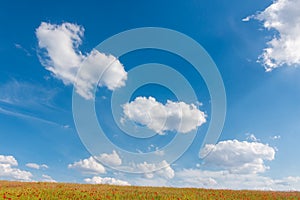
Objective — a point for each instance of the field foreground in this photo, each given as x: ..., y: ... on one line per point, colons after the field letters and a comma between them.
x: 32, y: 191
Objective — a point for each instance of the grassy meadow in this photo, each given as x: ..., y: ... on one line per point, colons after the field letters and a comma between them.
x: 59, y: 191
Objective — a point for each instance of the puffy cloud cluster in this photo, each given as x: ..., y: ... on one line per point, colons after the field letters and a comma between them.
x: 92, y: 165
x: 88, y: 166
x: 284, y: 17
x: 9, y: 170
x: 239, y: 157
x: 62, y: 57
x: 173, y: 116
x: 234, y: 164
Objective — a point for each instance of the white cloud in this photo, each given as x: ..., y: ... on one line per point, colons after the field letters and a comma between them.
x: 150, y: 169
x: 110, y: 159
x: 47, y: 178
x: 252, y: 137
x: 113, y: 74
x: 88, y: 166
x: 276, y: 137
x: 36, y: 166
x: 239, y: 157
x: 8, y: 160
x: 159, y: 152
x: 33, y: 165
x: 105, y: 180
x: 173, y: 116
x: 63, y: 58
x: 44, y: 166
x: 18, y: 46
x: 8, y: 169
x: 156, y: 150
x: 284, y: 17
x: 225, y: 180
x: 157, y: 182
x: 246, y: 19
x: 195, y: 178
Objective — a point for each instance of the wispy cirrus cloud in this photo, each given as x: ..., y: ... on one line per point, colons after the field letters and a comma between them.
x: 27, y: 116
x: 29, y: 101
x: 26, y: 94
x: 19, y: 46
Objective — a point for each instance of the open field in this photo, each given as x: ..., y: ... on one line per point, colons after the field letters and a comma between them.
x: 32, y: 191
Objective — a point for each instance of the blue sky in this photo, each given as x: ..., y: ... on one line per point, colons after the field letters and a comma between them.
x: 254, y: 45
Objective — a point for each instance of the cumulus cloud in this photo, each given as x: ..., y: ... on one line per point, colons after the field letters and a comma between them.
x: 239, y: 157
x: 8, y: 169
x: 110, y: 159
x: 61, y: 56
x: 283, y: 16
x: 36, y: 166
x: 150, y: 169
x: 88, y: 166
x: 173, y: 116
x: 105, y: 180
x: 10, y: 160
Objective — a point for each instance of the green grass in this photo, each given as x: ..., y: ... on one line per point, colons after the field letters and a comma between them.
x: 59, y: 191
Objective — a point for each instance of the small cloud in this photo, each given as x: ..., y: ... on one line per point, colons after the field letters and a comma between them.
x: 36, y: 166
x: 106, y: 180
x: 159, y: 152
x: 276, y: 137
x: 246, y: 19
x: 66, y: 126
x: 252, y: 137
x: 44, y: 166
x: 150, y: 147
x: 47, y: 178
x: 139, y: 151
